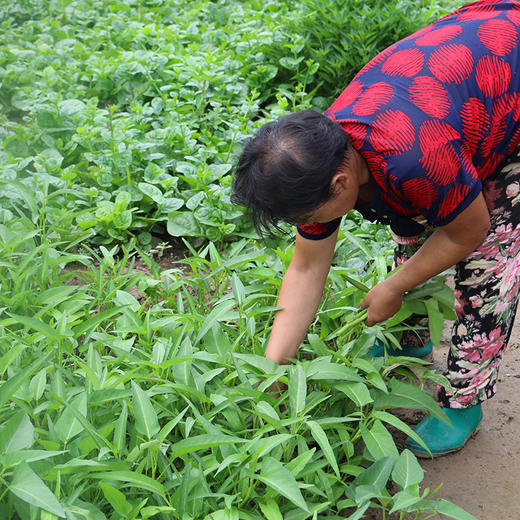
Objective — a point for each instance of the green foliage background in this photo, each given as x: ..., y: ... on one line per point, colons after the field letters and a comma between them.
x: 138, y: 109
x: 129, y: 394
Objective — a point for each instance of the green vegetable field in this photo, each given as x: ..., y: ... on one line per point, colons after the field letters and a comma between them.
x: 136, y: 300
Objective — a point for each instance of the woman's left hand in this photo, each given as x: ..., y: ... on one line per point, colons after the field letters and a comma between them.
x: 382, y: 302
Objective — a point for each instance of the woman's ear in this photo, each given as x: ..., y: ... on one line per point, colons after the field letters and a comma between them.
x: 340, y: 182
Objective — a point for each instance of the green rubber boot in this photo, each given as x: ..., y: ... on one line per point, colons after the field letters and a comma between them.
x: 443, y: 439
x: 425, y: 352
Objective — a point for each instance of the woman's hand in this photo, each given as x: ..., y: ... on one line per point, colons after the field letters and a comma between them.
x: 382, y: 302
x: 447, y: 245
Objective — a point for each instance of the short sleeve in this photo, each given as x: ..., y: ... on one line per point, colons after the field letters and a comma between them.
x: 318, y: 230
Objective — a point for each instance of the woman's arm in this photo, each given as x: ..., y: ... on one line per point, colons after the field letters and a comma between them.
x: 300, y: 295
x: 447, y: 246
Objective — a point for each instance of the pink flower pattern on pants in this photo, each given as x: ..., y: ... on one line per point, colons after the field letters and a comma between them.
x: 487, y: 285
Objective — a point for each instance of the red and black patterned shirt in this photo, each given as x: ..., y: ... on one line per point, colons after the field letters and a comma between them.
x: 433, y: 115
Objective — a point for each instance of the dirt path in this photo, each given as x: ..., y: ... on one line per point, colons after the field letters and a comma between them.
x: 484, y: 478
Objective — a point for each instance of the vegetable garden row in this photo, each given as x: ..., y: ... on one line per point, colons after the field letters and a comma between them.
x: 141, y: 393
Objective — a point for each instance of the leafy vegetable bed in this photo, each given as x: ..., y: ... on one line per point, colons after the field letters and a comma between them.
x: 142, y: 395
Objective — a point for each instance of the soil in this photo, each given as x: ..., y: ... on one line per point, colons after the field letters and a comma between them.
x: 484, y: 477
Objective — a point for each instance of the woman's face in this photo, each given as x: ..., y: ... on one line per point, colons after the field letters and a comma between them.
x: 340, y: 204
x: 345, y: 185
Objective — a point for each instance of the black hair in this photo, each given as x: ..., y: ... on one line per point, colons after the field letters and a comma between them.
x: 285, y: 171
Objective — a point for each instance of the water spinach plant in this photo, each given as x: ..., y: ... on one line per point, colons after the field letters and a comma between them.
x: 133, y: 391
x: 135, y: 395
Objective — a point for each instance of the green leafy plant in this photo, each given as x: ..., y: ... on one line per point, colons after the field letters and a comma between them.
x: 327, y: 43
x: 155, y: 404
x: 142, y: 393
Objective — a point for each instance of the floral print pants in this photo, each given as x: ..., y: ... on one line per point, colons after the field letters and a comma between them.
x: 486, y: 294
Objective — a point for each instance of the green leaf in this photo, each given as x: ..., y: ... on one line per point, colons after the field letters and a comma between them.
x: 298, y: 464
x: 231, y: 459
x: 105, y: 210
x: 99, y: 440
x: 193, y: 202
x: 170, y: 425
x: 201, y: 442
x: 183, y: 491
x: 235, y: 261
x: 357, y: 392
x: 10, y: 356
x: 263, y: 445
x: 290, y: 63
x: 297, y: 390
x: 116, y: 499
x: 364, y: 493
x: 45, y: 515
x: 123, y: 220
x: 27, y: 194
x: 83, y: 511
x: 435, y: 320
x: 132, y: 479
x: 55, y: 295
x: 150, y: 511
x: 407, y: 471
x: 378, y: 441
x: 38, y: 325
x: 123, y: 198
x: 120, y: 429
x: 37, y: 384
x: 406, y: 498
x: 170, y: 204
x: 238, y: 289
x: 220, y: 312
x: 322, y: 369
x: 271, y: 510
x: 94, y: 321
x: 402, y: 314
x: 363, y: 245
x: 356, y: 283
x: 17, y: 434
x: 365, y: 365
x: 267, y: 366
x: 30, y: 488
x: 73, y: 465
x: 71, y: 107
x: 223, y: 514
x: 376, y: 475
x: 453, y: 511
x: 220, y: 169
x: 400, y: 425
x: 406, y: 395
x: 276, y: 476
x: 445, y: 296
x: 216, y: 341
x: 321, y: 438
x: 264, y: 409
x: 146, y: 420
x: 183, y: 224
x: 151, y: 191
x: 359, y: 513
x: 68, y: 426
x: 16, y: 457
x: 318, y: 345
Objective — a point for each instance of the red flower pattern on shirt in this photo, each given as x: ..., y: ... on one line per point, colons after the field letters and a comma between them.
x: 437, y: 112
x: 430, y: 96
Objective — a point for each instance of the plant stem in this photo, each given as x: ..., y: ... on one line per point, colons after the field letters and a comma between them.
x: 362, y: 316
